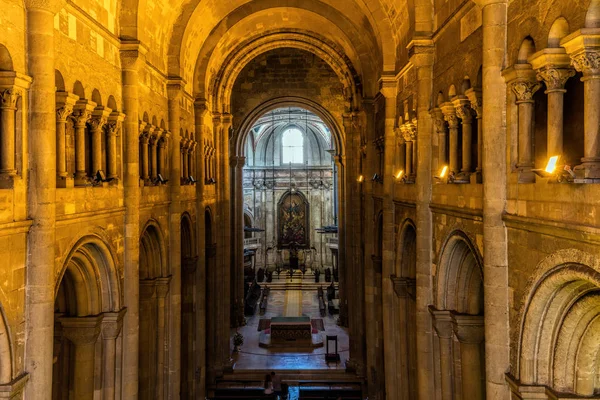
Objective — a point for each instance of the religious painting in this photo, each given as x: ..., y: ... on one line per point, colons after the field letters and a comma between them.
x: 293, y: 221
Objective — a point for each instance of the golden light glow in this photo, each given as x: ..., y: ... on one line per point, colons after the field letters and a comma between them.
x: 399, y: 174
x: 444, y: 171
x: 360, y: 179
x: 551, y: 166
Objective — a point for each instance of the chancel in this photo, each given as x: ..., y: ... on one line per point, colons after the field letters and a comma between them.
x: 372, y: 199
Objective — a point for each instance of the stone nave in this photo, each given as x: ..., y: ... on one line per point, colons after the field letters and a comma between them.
x: 448, y: 152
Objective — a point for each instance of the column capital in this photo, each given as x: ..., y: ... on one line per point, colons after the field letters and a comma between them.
x: 404, y: 287
x: 553, y: 67
x: 388, y: 86
x: 115, y: 121
x: 65, y: 102
x: 524, y: 90
x: 51, y: 6
x: 468, y: 328
x: 583, y: 46
x: 421, y: 51
x: 162, y: 287
x: 442, y: 322
x: 175, y: 87
x: 99, y: 118
x: 9, y: 97
x: 133, y: 54
x: 82, y: 330
x: 555, y: 78
x: 450, y: 116
x: 112, y: 324
x: 16, y: 79
x: 147, y: 288
x: 82, y: 112
x: 237, y: 161
x: 476, y: 98
x: 463, y: 109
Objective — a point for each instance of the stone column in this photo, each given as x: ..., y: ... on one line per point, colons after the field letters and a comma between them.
x: 175, y: 89
x: 495, y: 269
x: 401, y: 148
x: 442, y: 322
x: 421, y: 52
x: 64, y: 108
x: 8, y: 109
x: 190, y: 155
x: 524, y: 85
x: 583, y: 47
x: 442, y: 135
x: 388, y: 87
x: 404, y: 337
x: 41, y: 199
x: 153, y: 143
x: 132, y: 60
x: 555, y: 80
x: 162, y: 338
x: 82, y: 114
x: 111, y: 328
x: 465, y: 113
x: 184, y: 159
x: 145, y: 140
x: 450, y: 116
x: 83, y: 332
x: 115, y: 121
x: 474, y: 96
x: 415, y: 148
x: 224, y: 247
x: 237, y: 164
x: 97, y: 123
x: 162, y: 145
x: 470, y: 333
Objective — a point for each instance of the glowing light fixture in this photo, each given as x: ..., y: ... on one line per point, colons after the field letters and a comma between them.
x: 551, y: 166
x: 360, y: 179
x: 399, y: 175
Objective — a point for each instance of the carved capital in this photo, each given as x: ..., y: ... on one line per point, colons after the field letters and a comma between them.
x: 451, y: 118
x: 442, y: 323
x: 554, y: 78
x: 524, y: 90
x: 465, y: 113
x: 63, y: 113
x: 475, y: 97
x: 162, y: 287
x: 388, y: 87
x: 9, y: 97
x: 112, y: 324
x: 469, y: 328
x: 82, y: 330
x: 81, y: 116
x: 99, y: 118
x: 133, y: 55
x: 587, y: 61
x: 404, y: 287
x: 115, y: 122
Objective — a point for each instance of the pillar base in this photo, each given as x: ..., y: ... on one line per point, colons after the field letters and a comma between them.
x: 14, y: 389
x: 588, y: 171
x: 477, y: 177
x: 64, y: 182
x: 526, y: 175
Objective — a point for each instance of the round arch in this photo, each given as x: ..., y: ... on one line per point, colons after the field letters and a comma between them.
x: 152, y: 241
x: 406, y: 259
x: 560, y: 326
x: 225, y: 79
x: 239, y: 140
x: 91, y: 262
x: 459, y: 281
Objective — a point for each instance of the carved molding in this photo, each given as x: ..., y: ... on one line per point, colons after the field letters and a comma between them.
x: 524, y: 90
x: 555, y: 78
x: 404, y: 287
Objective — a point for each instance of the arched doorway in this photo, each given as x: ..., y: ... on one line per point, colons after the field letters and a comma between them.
x: 87, y: 304
x: 189, y: 356
x: 154, y: 286
x: 458, y: 320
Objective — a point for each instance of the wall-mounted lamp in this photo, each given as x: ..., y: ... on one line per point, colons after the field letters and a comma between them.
x: 400, y: 176
x: 441, y: 176
x: 360, y: 179
x: 562, y: 173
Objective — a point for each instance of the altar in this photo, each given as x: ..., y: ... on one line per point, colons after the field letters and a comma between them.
x: 291, y: 328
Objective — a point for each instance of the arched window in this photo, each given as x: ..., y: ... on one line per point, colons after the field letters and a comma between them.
x: 293, y: 146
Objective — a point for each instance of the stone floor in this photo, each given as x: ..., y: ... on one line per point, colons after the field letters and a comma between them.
x: 253, y: 357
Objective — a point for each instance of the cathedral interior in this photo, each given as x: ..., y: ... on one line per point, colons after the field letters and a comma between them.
x: 374, y: 199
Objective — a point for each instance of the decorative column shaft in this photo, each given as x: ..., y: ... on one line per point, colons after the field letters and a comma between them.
x: 64, y: 108
x: 82, y: 114
x: 161, y: 156
x: 8, y: 109
x: 97, y: 123
x: 442, y: 135
x: 465, y: 113
x: 524, y: 89
x: 237, y: 163
x: 452, y: 119
x: 83, y: 332
x: 162, y: 288
x: 469, y: 330
x: 115, y: 121
x: 474, y: 96
x: 555, y: 79
x: 409, y: 154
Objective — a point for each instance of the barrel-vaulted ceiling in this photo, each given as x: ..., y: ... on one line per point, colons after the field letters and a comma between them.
x: 193, y: 38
